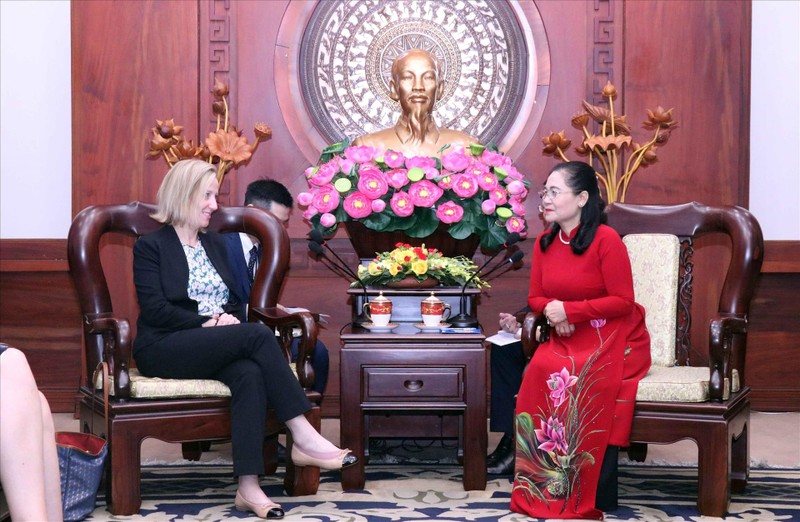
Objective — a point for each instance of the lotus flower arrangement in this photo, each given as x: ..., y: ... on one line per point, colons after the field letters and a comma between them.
x: 420, y: 263
x: 224, y: 147
x: 475, y: 190
x: 614, y: 138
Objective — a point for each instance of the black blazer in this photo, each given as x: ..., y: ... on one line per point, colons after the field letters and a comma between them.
x: 161, y: 276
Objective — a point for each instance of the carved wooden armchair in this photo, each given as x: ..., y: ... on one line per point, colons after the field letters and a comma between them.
x: 708, y: 404
x: 191, y: 412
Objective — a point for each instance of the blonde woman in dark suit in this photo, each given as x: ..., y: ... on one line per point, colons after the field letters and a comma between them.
x: 192, y: 326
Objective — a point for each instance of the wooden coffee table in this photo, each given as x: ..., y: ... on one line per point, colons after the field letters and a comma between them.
x: 420, y: 374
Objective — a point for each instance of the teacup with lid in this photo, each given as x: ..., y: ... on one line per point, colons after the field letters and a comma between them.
x: 434, y: 310
x: 379, y: 310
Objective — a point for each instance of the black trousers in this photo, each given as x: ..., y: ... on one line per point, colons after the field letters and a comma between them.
x: 247, y: 358
x: 507, y: 366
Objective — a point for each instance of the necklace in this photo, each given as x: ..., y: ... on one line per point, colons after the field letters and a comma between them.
x: 562, y: 238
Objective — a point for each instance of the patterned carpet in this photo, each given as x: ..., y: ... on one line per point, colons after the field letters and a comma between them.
x: 403, y: 493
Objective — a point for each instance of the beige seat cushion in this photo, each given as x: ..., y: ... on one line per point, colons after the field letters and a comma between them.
x: 156, y: 388
x: 680, y: 384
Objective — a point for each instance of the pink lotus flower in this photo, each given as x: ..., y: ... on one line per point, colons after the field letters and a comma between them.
x: 310, y: 212
x: 516, y: 224
x: 478, y: 168
x: 424, y: 193
x: 357, y: 205
x: 393, y: 160
x: 515, y: 187
x: 450, y: 212
x: 465, y: 185
x: 401, y: 204
x: 498, y: 195
x: 325, y: 199
x: 421, y: 162
x: 597, y: 323
x: 517, y: 206
x: 327, y: 219
x: 345, y: 165
x: 369, y: 166
x: 372, y: 183
x: 494, y: 159
x: 304, y: 199
x: 431, y: 172
x: 397, y: 178
x: 378, y: 205
x: 456, y: 160
x: 487, y: 181
x: 558, y: 384
x: 446, y: 181
x: 324, y: 174
x: 488, y: 207
x: 552, y: 437
x: 360, y: 154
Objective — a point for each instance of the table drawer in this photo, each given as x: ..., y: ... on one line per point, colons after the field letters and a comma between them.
x: 387, y: 384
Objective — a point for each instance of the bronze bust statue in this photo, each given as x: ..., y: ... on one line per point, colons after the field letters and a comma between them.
x: 417, y: 84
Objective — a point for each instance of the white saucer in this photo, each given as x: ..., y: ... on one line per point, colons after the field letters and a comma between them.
x: 430, y: 329
x: 380, y: 329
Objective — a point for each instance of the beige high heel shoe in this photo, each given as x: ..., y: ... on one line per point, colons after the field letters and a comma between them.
x: 328, y: 461
x: 269, y: 511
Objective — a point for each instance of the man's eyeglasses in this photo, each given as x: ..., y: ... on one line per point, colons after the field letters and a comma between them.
x: 551, y: 193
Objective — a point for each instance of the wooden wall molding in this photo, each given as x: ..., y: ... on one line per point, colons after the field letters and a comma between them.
x: 603, y: 50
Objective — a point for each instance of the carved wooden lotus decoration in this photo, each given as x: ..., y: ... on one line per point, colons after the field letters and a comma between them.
x: 613, y: 143
x: 224, y: 147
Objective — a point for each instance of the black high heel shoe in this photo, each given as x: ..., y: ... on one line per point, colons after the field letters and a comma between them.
x: 501, y: 461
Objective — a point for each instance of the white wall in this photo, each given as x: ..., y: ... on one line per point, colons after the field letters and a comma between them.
x: 35, y: 118
x: 775, y: 118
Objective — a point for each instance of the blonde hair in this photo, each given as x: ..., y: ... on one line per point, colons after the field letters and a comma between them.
x: 181, y: 186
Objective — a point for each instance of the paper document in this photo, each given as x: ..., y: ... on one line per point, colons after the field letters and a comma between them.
x: 502, y: 338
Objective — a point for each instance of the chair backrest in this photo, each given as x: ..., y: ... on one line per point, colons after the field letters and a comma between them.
x: 686, y: 223
x: 655, y: 262
x: 133, y: 219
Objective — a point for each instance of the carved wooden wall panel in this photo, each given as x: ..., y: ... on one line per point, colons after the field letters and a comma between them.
x: 158, y: 60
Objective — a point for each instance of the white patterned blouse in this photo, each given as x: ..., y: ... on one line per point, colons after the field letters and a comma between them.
x: 205, y: 284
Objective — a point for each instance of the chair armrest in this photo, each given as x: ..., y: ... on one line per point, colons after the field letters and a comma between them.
x: 274, y: 317
x: 721, y: 345
x: 116, y: 334
x: 530, y: 325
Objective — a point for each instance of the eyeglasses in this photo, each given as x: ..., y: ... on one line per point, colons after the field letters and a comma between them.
x: 551, y: 193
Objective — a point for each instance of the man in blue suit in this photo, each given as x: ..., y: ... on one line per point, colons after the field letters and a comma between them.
x: 244, y: 256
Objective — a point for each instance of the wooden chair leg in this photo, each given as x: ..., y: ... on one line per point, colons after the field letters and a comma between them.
x: 124, y: 467
x: 194, y: 450
x: 713, y: 483
x: 740, y: 459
